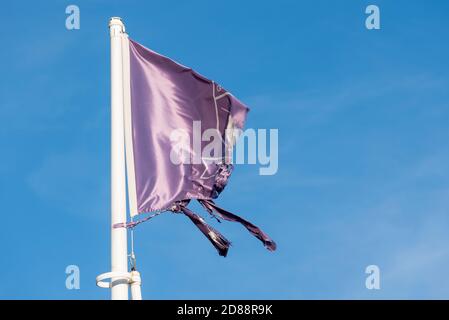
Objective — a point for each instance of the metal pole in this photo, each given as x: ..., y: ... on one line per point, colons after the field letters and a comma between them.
x: 119, y: 259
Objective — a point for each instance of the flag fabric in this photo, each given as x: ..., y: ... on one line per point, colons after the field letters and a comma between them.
x: 167, y: 105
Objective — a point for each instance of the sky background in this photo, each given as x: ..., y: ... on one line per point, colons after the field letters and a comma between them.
x: 363, y: 148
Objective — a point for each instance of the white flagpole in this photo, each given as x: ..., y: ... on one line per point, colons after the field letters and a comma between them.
x: 119, y: 252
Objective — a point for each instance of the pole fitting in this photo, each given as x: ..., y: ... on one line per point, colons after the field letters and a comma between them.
x: 116, y: 26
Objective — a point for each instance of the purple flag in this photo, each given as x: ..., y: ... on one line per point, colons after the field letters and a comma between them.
x: 180, y: 129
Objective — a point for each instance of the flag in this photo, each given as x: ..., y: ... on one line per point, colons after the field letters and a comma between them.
x: 169, y: 109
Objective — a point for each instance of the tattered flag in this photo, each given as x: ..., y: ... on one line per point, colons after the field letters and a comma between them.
x: 167, y: 105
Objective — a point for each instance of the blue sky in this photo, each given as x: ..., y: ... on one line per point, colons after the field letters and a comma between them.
x: 363, y: 158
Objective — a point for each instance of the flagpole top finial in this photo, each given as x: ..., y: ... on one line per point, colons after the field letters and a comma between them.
x: 116, y: 23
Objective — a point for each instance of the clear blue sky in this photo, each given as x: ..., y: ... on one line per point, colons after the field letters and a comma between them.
x: 363, y: 135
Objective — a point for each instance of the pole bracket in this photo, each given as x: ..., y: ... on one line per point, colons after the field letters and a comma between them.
x: 115, y: 277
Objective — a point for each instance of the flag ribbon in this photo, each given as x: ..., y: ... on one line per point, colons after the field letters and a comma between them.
x: 132, y: 224
x: 215, y: 210
x: 215, y: 237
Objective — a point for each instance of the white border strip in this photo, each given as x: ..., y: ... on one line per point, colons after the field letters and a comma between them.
x: 131, y: 174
